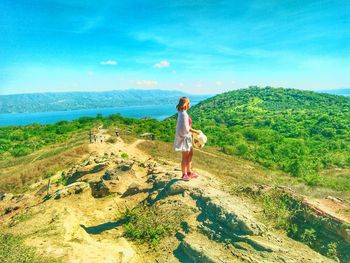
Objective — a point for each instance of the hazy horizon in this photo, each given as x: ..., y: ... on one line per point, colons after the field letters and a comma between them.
x: 152, y: 89
x: 207, y: 48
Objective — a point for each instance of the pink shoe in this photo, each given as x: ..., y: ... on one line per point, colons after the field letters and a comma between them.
x: 192, y: 175
x: 185, y: 177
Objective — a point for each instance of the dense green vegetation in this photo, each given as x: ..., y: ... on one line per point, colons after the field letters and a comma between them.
x: 299, y: 132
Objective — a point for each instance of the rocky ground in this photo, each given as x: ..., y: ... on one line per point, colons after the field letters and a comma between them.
x: 77, y: 222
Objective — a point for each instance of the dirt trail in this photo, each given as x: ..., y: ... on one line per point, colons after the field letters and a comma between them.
x: 78, y: 222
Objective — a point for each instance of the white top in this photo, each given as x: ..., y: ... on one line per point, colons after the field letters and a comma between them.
x: 182, y: 132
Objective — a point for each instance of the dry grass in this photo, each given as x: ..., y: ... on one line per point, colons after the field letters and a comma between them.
x: 18, y: 173
x: 237, y: 172
x: 125, y: 134
x: 128, y: 138
x: 226, y: 167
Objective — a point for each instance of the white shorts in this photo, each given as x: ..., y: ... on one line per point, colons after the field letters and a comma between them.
x: 183, y: 144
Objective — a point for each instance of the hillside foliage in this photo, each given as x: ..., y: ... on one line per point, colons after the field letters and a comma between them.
x: 299, y: 132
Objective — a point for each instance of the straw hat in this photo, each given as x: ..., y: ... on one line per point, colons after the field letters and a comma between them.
x: 199, y: 140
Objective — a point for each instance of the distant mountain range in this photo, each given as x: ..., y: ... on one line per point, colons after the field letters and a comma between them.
x: 63, y: 101
x: 344, y: 91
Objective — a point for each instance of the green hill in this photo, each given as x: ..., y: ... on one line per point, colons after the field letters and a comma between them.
x: 299, y: 132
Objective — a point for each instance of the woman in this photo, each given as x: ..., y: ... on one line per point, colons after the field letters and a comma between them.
x: 183, y: 138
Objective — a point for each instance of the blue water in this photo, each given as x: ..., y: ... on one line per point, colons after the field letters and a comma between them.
x: 158, y: 112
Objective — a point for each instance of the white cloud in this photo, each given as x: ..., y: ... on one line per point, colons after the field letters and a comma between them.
x: 218, y: 83
x: 145, y: 82
x: 199, y: 84
x: 162, y: 64
x: 109, y: 62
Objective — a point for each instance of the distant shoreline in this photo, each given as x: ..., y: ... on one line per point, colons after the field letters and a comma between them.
x: 158, y: 112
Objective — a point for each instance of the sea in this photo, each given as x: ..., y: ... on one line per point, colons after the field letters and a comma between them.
x: 158, y: 112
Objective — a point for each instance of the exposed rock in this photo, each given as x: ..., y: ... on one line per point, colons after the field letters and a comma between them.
x: 35, y: 185
x: 152, y: 196
x: 111, y: 174
x: 90, y: 169
x: 229, y: 212
x: 125, y: 167
x: 7, y: 196
x: 99, y: 189
x: 42, y: 190
x: 197, y: 249
x: 90, y: 161
x: 116, y: 173
x: 75, y: 188
x: 99, y: 160
x: 154, y: 170
x: 133, y: 188
x: 17, y: 198
x: 335, y: 199
x: 262, y: 244
x: 160, y: 181
x: 176, y: 186
x: 11, y: 209
x: 257, y: 189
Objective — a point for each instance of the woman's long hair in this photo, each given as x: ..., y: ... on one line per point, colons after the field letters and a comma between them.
x: 184, y: 104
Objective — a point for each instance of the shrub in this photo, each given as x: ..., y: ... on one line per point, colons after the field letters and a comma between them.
x: 242, y: 149
x: 276, y: 208
x: 62, y: 180
x: 311, y: 179
x: 20, y: 151
x: 150, y: 224
x: 112, y: 140
x: 332, y: 251
x: 309, y: 236
x: 124, y: 155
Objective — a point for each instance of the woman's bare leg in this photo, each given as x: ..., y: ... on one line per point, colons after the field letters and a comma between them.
x: 184, y: 162
x: 189, y: 163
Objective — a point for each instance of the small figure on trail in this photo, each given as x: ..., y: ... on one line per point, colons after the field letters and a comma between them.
x: 90, y: 136
x: 183, y: 138
x: 95, y: 138
x: 101, y: 138
x: 117, y: 134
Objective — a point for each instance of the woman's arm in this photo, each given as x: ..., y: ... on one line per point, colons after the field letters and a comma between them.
x: 195, y: 131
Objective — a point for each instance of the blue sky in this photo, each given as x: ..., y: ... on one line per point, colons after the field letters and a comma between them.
x: 194, y: 46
